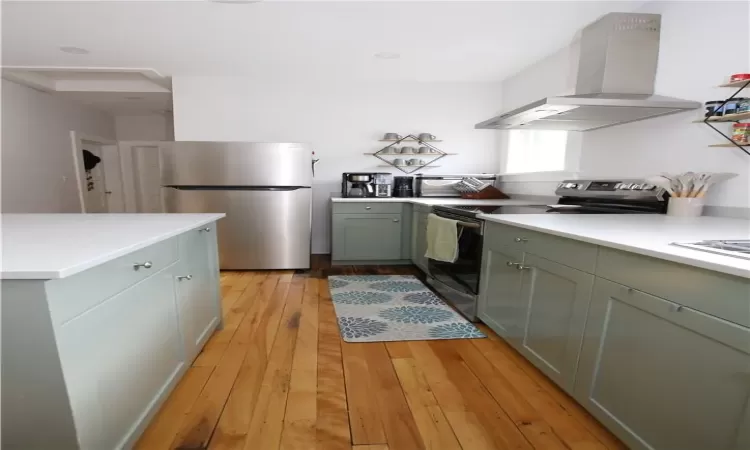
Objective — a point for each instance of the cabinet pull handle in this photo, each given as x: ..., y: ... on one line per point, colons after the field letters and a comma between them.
x: 146, y: 265
x: 676, y: 308
x: 522, y: 267
x: 511, y: 264
x: 205, y: 229
x: 395, y: 220
x: 184, y: 277
x: 521, y: 240
x: 368, y: 207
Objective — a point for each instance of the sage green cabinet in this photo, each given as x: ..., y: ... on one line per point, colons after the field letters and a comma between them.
x: 664, y: 376
x: 198, y: 298
x: 419, y: 239
x: 500, y: 305
x: 556, y: 300
x: 363, y: 237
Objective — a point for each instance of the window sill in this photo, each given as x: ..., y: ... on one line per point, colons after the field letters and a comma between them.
x: 537, y: 176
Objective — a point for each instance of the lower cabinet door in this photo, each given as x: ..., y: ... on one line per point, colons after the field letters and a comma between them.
x: 362, y: 237
x: 118, y: 358
x: 198, y: 299
x: 500, y: 305
x: 556, y: 299
x: 662, y: 376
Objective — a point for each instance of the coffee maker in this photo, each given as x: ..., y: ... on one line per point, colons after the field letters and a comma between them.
x: 382, y: 183
x: 357, y: 185
x: 403, y: 187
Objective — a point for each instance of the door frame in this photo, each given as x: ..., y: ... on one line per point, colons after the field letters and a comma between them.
x: 77, y: 143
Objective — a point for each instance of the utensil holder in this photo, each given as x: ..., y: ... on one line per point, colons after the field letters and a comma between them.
x: 685, y: 207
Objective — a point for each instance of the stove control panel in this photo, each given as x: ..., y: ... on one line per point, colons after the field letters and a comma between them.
x: 631, y: 189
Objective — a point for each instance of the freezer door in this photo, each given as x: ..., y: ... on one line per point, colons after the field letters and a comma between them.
x: 236, y: 164
x: 263, y: 229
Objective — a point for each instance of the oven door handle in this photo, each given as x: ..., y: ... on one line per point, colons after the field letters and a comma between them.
x: 469, y: 224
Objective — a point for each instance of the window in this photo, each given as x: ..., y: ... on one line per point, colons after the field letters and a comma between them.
x: 536, y: 151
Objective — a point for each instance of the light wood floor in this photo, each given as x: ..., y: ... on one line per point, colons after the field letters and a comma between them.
x: 278, y: 376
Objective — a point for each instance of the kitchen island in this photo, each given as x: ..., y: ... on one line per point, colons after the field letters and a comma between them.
x: 101, y: 316
x: 651, y: 338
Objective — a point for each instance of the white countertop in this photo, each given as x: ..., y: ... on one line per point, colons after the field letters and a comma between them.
x: 47, y: 246
x: 436, y: 201
x: 649, y: 235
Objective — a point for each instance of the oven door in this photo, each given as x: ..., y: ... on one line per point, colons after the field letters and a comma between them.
x: 463, y: 274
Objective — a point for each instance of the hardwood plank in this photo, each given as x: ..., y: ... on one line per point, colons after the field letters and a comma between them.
x: 370, y: 447
x: 268, y: 416
x: 498, y: 425
x: 241, y: 280
x: 570, y: 422
x: 301, y: 413
x: 332, y: 426
x: 528, y: 420
x: 469, y: 431
x: 232, y: 429
x: 398, y: 349
x: 227, y: 301
x: 219, y: 341
x: 199, y: 425
x: 433, y: 426
x: 365, y: 420
x: 166, y: 424
x: 400, y: 429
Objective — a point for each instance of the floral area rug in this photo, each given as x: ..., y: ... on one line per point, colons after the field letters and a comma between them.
x: 377, y: 308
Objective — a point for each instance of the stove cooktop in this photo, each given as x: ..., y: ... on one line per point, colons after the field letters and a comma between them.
x: 736, y: 248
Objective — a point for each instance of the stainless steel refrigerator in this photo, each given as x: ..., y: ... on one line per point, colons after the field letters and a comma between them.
x: 264, y: 189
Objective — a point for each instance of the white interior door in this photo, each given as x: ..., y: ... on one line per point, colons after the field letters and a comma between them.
x: 92, y: 176
x: 113, y: 183
x: 142, y: 175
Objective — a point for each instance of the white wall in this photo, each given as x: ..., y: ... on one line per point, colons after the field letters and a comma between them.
x: 690, y: 66
x: 38, y: 174
x: 341, y: 122
x: 150, y: 127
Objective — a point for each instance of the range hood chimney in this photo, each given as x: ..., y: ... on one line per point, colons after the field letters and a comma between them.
x: 614, y: 83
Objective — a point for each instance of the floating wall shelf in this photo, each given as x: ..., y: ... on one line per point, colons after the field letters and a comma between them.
x: 728, y: 118
x: 429, y: 158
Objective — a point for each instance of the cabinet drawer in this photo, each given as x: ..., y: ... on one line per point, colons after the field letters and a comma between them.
x: 515, y: 241
x: 503, y: 238
x: 572, y: 253
x: 713, y: 293
x: 367, y: 208
x: 72, y: 296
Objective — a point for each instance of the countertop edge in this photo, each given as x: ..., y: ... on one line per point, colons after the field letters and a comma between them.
x: 639, y: 250
x: 73, y: 270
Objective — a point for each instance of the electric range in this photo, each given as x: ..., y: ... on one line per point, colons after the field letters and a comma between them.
x: 459, y: 281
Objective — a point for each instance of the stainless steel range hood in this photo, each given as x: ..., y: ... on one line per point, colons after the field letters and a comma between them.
x: 614, y: 83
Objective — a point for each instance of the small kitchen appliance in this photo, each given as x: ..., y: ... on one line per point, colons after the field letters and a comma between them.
x: 365, y: 184
x: 383, y: 184
x: 403, y: 186
x: 458, y: 282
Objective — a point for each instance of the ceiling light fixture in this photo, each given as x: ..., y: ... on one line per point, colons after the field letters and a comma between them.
x: 387, y: 55
x: 74, y: 50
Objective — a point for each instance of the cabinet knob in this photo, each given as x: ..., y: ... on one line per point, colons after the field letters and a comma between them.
x: 676, y: 308
x: 511, y: 264
x: 395, y: 220
x: 145, y: 265
x: 205, y: 229
x: 521, y: 240
x: 368, y: 207
x: 184, y: 277
x: 522, y: 267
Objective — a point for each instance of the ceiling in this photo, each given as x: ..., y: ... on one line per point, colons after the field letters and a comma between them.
x: 336, y: 41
